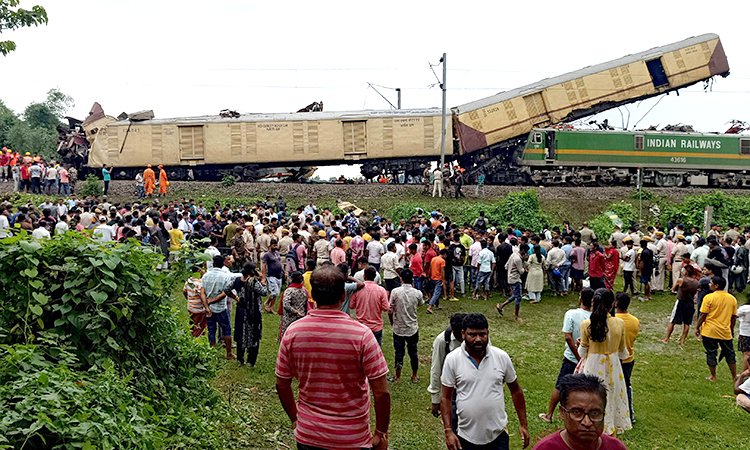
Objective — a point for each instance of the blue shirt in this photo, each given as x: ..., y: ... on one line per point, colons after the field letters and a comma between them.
x: 567, y: 248
x: 215, y: 281
x: 572, y: 324
x: 485, y: 260
x: 105, y: 174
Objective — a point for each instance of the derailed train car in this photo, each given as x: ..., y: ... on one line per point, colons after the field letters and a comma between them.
x: 210, y: 147
x: 490, y: 133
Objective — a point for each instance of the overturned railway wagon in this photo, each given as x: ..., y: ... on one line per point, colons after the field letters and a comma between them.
x: 593, y: 157
x: 487, y: 136
x: 493, y: 130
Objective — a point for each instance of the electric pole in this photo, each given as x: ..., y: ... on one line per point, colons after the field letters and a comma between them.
x: 444, y: 61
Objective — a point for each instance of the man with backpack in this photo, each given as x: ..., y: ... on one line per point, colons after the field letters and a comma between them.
x: 295, y: 257
x: 481, y: 223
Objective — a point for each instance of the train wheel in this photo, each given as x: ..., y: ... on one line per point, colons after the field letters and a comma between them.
x: 605, y: 179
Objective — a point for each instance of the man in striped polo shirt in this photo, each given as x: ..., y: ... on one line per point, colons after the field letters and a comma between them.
x: 336, y: 361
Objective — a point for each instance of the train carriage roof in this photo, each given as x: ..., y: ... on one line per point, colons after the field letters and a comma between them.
x: 589, y: 70
x: 288, y: 117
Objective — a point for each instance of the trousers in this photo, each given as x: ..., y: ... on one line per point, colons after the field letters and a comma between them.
x: 410, y: 342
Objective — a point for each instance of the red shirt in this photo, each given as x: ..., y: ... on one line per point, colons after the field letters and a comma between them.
x: 416, y: 265
x: 333, y: 357
x: 555, y: 442
x: 370, y: 302
x: 428, y: 255
x: 24, y: 172
x: 596, y: 264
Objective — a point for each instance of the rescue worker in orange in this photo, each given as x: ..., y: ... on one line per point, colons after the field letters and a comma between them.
x: 163, y: 182
x: 27, y: 158
x: 149, y: 180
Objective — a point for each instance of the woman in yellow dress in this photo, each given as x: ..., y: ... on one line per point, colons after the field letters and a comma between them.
x: 601, y: 349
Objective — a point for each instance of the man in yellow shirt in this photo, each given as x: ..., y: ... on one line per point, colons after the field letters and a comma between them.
x: 632, y: 327
x: 175, y: 238
x: 716, y: 325
x: 310, y: 266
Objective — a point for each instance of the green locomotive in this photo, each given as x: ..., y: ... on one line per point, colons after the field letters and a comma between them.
x: 587, y: 157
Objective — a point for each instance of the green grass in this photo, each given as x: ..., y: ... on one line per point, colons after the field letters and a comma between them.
x: 676, y: 408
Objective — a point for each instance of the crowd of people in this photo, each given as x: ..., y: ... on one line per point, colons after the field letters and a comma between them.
x: 325, y: 268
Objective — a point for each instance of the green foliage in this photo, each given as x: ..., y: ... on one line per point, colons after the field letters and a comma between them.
x: 101, y: 316
x: 228, y: 181
x: 92, y: 186
x: 13, y: 17
x: 519, y: 208
x: 38, y: 141
x: 623, y: 214
x: 727, y: 208
x: 37, y: 133
x: 642, y: 194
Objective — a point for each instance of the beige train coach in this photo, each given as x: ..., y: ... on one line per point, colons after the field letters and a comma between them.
x: 210, y: 147
x: 574, y: 95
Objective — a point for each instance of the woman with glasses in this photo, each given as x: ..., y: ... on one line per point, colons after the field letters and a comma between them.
x: 601, y: 349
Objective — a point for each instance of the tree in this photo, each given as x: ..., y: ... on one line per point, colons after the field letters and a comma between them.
x: 13, y: 17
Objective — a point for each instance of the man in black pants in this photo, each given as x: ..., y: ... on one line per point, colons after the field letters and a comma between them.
x: 403, y: 317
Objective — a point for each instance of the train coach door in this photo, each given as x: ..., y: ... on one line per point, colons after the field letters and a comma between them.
x: 549, y: 146
x: 658, y: 75
x: 355, y: 139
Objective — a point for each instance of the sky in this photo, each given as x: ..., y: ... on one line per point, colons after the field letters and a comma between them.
x: 186, y: 58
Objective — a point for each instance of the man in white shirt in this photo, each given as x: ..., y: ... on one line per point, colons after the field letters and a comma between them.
x: 391, y: 268
x: 360, y: 274
x: 103, y: 232
x: 374, y: 251
x: 628, y: 265
x: 742, y: 389
x: 572, y: 331
x: 4, y: 223
x: 41, y: 232
x: 478, y: 372
x: 485, y: 268
x: 184, y: 224
x: 61, y: 227
x: 403, y: 317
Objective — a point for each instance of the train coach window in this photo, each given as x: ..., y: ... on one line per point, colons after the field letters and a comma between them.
x: 658, y: 76
x: 639, y: 142
x: 536, y: 138
x: 745, y: 147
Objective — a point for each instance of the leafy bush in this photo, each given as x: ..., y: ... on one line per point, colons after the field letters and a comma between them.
x: 228, y: 181
x: 623, y: 214
x: 101, y: 316
x: 642, y: 194
x: 726, y: 208
x: 92, y: 186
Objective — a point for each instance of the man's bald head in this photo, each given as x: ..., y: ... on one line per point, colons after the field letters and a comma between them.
x: 327, y: 285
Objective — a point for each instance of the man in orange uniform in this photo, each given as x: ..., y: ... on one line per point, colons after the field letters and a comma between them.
x: 149, y: 180
x: 162, y: 180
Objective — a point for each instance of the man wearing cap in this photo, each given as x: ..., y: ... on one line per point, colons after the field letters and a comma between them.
x: 322, y: 249
x: 149, y: 180
x: 662, y: 252
x: 163, y: 182
x: 587, y: 234
x: 437, y: 184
